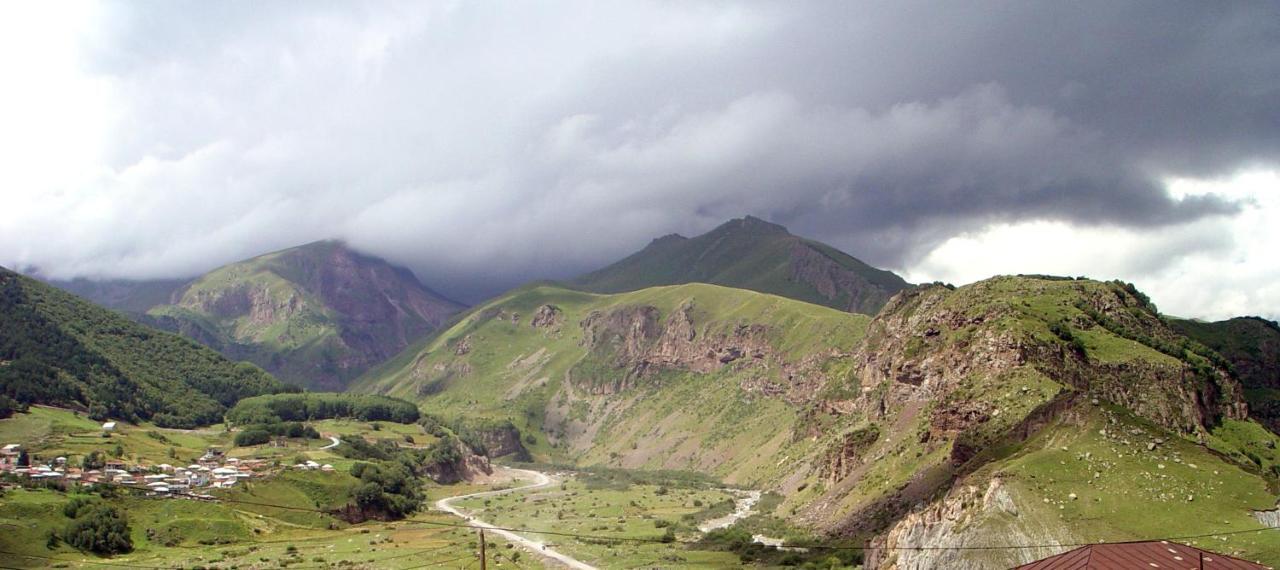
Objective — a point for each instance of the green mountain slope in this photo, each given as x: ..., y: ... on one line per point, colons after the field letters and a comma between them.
x: 1017, y: 409
x: 56, y: 348
x: 667, y: 377
x: 317, y: 315
x: 1252, y: 345
x: 753, y: 254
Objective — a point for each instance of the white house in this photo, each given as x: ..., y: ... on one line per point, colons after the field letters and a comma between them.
x: 109, y: 427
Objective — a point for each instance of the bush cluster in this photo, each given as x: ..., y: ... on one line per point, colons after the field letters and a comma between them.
x: 96, y: 528
x: 276, y: 408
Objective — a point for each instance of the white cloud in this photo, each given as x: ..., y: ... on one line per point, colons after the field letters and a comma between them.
x: 1213, y: 268
x: 483, y: 147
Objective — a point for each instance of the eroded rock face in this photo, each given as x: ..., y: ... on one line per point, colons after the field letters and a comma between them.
x: 634, y: 343
x: 466, y: 465
x: 924, y: 346
x: 547, y: 317
x: 956, y: 520
x: 504, y: 440
x: 841, y: 460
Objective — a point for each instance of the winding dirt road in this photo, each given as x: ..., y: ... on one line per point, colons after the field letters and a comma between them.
x: 541, y: 480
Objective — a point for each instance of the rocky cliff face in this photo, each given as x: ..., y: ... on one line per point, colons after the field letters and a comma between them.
x: 951, y: 373
x: 316, y: 315
x: 633, y: 343
x: 464, y: 464
x: 928, y: 342
x: 502, y: 441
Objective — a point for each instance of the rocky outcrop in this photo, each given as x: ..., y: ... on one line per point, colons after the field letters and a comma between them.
x: 461, y: 463
x: 965, y: 518
x: 500, y: 439
x: 547, y: 317
x: 940, y: 355
x: 842, y: 459
x: 632, y: 343
x: 926, y: 343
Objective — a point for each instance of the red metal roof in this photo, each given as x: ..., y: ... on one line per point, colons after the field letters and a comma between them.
x: 1141, y: 555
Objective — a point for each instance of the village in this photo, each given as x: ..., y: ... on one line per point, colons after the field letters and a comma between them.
x: 213, y: 470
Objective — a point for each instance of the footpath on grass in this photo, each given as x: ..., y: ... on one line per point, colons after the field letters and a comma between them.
x: 540, y: 480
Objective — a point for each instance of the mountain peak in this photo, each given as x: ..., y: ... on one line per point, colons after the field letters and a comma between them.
x: 751, y: 225
x: 750, y: 253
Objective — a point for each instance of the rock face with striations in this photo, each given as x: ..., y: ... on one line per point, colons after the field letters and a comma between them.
x: 750, y: 253
x: 316, y: 315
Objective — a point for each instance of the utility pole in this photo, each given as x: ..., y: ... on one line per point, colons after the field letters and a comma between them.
x: 483, y: 562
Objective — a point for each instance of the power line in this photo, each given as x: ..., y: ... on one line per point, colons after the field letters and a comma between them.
x: 615, y: 539
x: 97, y: 562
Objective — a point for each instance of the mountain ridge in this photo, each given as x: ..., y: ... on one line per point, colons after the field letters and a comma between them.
x: 754, y: 254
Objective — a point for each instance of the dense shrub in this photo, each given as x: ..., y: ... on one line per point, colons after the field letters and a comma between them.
x: 255, y: 436
x: 8, y: 406
x: 387, y: 487
x: 318, y: 406
x: 100, y: 529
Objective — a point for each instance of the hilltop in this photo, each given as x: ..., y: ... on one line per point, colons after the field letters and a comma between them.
x: 1033, y: 409
x: 56, y: 348
x: 750, y: 253
x: 317, y: 315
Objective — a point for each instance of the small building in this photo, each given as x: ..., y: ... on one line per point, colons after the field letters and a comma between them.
x: 109, y: 427
x: 1150, y: 554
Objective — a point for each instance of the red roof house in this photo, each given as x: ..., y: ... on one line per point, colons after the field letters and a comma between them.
x: 1149, y: 555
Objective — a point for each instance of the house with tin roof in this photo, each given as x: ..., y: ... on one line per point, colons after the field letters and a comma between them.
x: 1151, y: 555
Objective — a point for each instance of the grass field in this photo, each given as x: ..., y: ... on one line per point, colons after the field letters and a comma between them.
x: 616, y: 511
x: 224, y: 536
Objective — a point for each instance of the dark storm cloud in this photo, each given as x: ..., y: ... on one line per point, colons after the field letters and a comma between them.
x: 485, y: 144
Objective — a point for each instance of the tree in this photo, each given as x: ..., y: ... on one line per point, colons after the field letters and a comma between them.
x: 93, y: 460
x: 252, y: 437
x: 100, y: 529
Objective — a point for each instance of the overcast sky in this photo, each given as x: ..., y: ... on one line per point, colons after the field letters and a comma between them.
x: 483, y: 144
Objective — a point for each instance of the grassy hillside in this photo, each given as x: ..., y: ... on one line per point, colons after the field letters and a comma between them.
x: 752, y: 254
x: 316, y: 315
x: 246, y: 534
x: 988, y: 404
x: 633, y: 379
x: 58, y: 349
